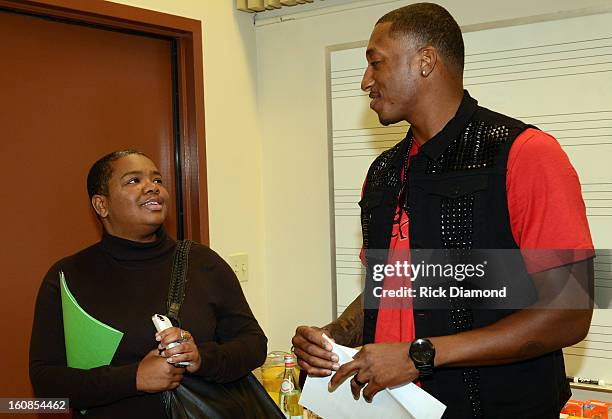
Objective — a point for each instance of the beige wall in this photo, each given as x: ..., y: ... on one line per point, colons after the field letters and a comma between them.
x: 233, y: 140
x: 293, y: 119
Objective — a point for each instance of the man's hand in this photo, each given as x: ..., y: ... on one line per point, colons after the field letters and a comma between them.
x: 313, y: 351
x: 377, y: 366
x: 154, y: 374
x: 186, y: 351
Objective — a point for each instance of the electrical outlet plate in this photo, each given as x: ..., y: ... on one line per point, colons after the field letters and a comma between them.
x: 240, y: 265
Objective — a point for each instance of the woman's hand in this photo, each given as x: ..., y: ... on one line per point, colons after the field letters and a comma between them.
x: 154, y: 374
x: 185, y: 351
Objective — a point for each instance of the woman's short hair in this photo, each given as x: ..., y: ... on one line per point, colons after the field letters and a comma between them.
x: 102, y: 170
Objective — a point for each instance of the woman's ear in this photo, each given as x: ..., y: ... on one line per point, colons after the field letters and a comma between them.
x: 100, y: 205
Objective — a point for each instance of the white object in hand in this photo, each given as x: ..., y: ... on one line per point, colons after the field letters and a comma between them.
x: 162, y: 322
x: 407, y: 401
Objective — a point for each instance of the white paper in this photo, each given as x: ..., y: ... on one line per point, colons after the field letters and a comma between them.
x: 407, y: 401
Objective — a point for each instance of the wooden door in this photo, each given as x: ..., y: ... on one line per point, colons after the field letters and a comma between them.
x: 70, y: 94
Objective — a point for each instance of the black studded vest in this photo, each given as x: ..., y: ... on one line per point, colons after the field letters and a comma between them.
x: 455, y: 198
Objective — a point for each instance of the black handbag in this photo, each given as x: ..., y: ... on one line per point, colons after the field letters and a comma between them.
x: 197, y: 398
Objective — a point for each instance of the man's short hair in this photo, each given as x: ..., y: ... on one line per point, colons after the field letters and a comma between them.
x: 102, y: 170
x: 429, y: 24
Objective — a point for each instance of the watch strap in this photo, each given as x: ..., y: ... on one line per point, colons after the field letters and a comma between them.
x: 425, y: 370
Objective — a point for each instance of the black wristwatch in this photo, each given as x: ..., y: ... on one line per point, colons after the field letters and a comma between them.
x: 422, y: 352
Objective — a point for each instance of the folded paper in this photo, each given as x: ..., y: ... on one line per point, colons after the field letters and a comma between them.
x: 407, y: 401
x: 89, y: 342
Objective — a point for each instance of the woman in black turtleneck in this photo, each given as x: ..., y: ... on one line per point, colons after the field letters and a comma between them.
x: 122, y: 281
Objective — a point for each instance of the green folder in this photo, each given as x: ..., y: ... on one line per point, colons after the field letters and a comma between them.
x: 89, y: 342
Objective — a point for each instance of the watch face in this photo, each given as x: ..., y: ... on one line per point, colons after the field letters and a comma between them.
x: 422, y: 351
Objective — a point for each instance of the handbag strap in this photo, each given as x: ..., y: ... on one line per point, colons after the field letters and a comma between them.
x: 178, y: 279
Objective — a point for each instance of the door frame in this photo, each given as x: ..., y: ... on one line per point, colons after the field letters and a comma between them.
x: 190, y: 158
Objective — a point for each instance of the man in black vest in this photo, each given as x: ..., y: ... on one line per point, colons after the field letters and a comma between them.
x: 464, y: 179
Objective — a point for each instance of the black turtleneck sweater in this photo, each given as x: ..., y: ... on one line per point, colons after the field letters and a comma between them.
x: 123, y: 283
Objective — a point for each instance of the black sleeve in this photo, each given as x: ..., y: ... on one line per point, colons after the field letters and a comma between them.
x: 49, y: 373
x: 240, y: 345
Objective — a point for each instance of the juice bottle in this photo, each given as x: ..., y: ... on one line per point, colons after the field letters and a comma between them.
x: 289, y: 395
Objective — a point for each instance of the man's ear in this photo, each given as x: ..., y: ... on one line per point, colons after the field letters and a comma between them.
x: 100, y: 205
x: 429, y: 59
